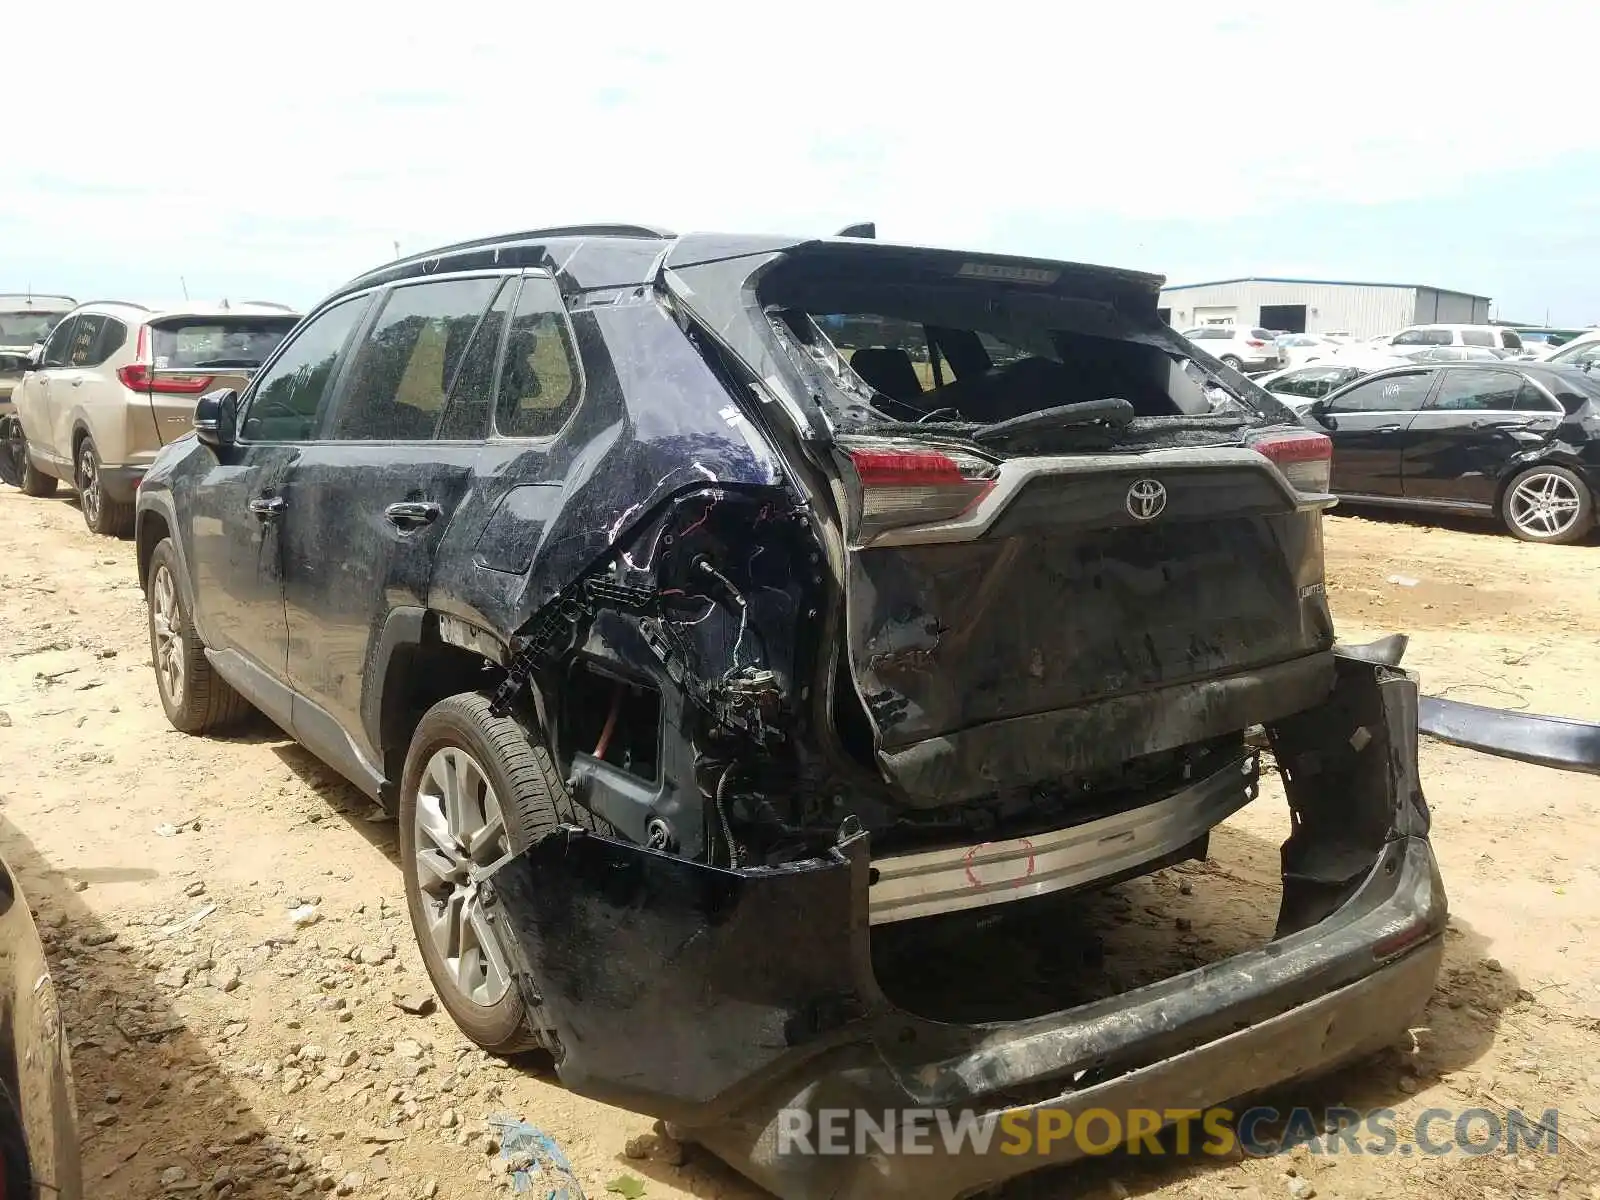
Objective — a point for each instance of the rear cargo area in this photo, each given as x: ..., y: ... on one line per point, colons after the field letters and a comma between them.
x: 1072, y: 540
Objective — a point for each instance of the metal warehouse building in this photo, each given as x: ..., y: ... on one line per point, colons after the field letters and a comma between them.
x: 1318, y: 305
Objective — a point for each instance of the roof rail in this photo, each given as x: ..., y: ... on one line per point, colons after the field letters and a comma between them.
x: 123, y: 303
x: 32, y: 297
x: 288, y: 308
x: 624, y: 231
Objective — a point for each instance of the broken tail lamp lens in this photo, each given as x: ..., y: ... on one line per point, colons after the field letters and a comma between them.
x: 901, y: 486
x: 1306, y: 459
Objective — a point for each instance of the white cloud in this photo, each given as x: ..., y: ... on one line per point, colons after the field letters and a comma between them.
x: 289, y: 144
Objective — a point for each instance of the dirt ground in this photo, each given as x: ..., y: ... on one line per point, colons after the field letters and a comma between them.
x: 221, y: 1050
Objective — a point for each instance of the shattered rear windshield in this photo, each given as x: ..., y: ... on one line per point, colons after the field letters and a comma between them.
x: 967, y: 355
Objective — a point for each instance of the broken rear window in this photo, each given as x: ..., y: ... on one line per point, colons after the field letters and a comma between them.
x: 974, y: 351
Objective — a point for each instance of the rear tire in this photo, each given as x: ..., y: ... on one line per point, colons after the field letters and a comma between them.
x: 1548, y: 504
x: 195, y: 698
x: 30, y: 480
x: 103, y: 515
x: 501, y: 774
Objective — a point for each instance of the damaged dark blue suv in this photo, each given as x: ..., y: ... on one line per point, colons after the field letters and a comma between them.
x: 725, y: 615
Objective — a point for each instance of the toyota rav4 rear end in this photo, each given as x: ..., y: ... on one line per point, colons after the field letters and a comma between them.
x: 1036, y: 584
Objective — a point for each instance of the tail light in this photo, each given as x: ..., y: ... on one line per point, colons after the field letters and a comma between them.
x: 141, y: 377
x: 902, y: 485
x: 1306, y: 459
x: 1254, y: 343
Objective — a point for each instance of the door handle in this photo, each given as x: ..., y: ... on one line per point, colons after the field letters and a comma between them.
x: 1387, y: 429
x: 268, y: 508
x: 413, y: 514
x: 76, y: 382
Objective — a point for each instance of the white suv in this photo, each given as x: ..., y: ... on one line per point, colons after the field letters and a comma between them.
x: 1248, y: 350
x: 117, y: 381
x: 1487, y: 337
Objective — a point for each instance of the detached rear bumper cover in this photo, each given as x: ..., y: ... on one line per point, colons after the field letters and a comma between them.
x: 1548, y: 741
x: 718, y: 999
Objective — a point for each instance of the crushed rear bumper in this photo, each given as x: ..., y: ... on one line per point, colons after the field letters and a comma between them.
x: 726, y: 1001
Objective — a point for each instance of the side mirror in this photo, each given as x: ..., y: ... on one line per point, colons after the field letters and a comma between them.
x: 216, y: 418
x: 1319, y: 411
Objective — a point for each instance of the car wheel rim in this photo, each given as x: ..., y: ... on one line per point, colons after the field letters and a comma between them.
x: 89, y: 483
x: 1545, y: 505
x: 167, y: 621
x: 460, y: 837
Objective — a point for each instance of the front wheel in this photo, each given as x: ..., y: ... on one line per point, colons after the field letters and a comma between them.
x: 195, y: 698
x: 1229, y: 360
x: 101, y: 513
x: 1548, y: 504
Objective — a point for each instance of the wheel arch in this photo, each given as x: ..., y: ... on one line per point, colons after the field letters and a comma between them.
x: 149, y: 529
x: 420, y: 657
x: 1549, y: 457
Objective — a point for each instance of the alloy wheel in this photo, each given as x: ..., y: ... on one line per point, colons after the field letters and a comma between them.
x: 460, y: 836
x: 1544, y: 505
x: 89, y: 482
x: 167, y: 620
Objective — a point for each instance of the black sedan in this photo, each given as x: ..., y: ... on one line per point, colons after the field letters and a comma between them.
x: 1516, y: 440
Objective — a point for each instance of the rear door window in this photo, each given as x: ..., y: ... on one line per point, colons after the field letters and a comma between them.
x: 1532, y: 399
x: 288, y: 395
x: 1478, y: 391
x: 540, y: 376
x: 1395, y: 393
x: 213, y: 343
x: 85, y: 333
x: 400, y: 376
x: 113, y: 334
x: 470, y: 413
x: 1477, y: 337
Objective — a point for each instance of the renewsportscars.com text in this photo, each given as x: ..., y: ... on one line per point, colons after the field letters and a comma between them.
x: 1218, y: 1132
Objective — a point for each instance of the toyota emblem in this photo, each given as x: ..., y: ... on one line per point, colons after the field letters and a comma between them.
x: 1146, y: 499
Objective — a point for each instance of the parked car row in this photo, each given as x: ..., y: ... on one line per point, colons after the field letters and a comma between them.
x: 25, y: 321
x: 637, y: 574
x: 1515, y: 440
x: 111, y: 382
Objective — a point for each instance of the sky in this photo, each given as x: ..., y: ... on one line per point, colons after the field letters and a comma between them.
x: 274, y: 151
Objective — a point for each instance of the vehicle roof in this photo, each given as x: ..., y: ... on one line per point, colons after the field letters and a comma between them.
x: 597, y: 257
x: 1528, y: 365
x: 1457, y: 325
x: 190, y: 308
x: 15, y: 302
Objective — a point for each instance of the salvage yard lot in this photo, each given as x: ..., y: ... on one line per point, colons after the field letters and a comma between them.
x: 211, y: 1035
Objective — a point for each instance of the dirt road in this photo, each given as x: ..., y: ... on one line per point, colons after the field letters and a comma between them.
x: 218, y: 1045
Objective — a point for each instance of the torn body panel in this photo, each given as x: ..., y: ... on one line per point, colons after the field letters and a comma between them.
x: 719, y: 998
